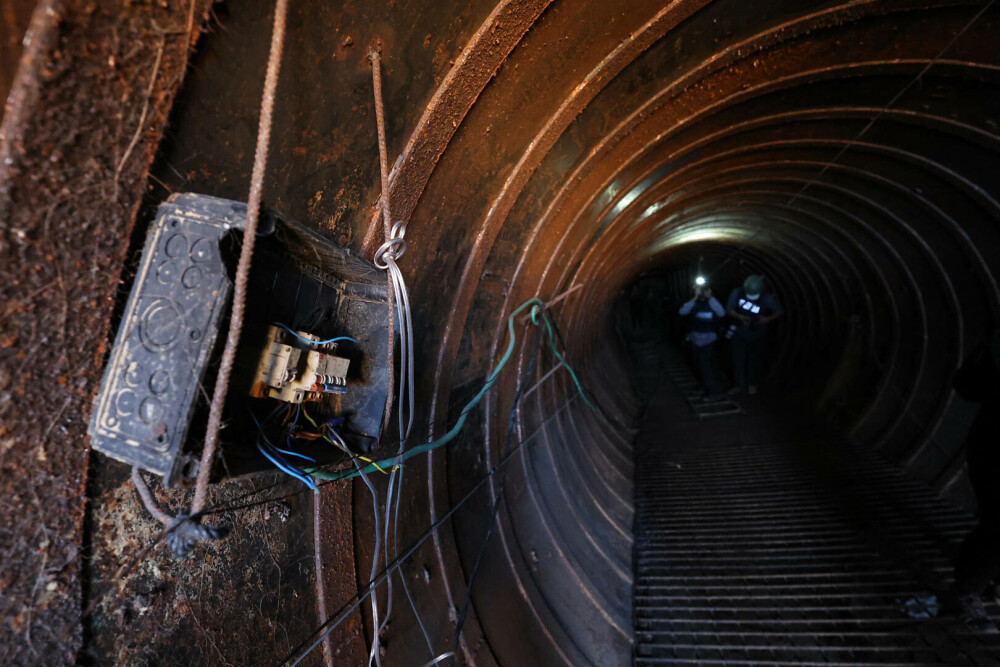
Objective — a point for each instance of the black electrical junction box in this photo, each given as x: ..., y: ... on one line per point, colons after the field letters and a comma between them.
x: 153, y: 402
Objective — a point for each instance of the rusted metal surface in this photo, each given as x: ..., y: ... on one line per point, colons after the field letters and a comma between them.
x: 972, y: 291
x: 469, y: 72
x: 14, y: 19
x: 347, y: 642
x: 544, y: 145
x: 79, y: 133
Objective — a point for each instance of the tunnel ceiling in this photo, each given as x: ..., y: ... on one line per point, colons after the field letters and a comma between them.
x: 847, y: 150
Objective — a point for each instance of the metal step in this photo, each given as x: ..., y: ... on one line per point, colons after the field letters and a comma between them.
x: 798, y: 552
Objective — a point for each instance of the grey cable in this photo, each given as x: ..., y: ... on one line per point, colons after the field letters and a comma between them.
x: 321, y: 608
x: 304, y: 648
x: 443, y: 656
x: 376, y: 628
x: 385, y: 258
x: 147, y: 498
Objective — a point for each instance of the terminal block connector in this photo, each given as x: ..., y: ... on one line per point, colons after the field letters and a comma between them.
x: 153, y: 404
x: 297, y: 367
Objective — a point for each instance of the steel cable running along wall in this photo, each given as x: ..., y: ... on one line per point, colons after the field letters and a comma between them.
x: 719, y: 130
x: 577, y: 143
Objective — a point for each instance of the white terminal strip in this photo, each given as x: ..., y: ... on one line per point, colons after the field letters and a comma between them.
x: 298, y: 367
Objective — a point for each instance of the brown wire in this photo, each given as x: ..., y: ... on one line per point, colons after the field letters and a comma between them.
x: 383, y: 159
x: 147, y: 498
x: 243, y: 268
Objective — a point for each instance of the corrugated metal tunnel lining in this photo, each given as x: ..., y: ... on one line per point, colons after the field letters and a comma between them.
x: 551, y: 145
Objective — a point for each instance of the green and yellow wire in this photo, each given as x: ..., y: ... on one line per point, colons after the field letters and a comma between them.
x: 330, y: 440
x: 537, y: 312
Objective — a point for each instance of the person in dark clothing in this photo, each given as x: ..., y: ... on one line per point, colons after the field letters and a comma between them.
x: 752, y: 309
x: 978, y: 563
x: 706, y: 312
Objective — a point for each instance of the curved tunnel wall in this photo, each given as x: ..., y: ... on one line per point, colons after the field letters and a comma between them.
x: 833, y: 147
x: 578, y: 144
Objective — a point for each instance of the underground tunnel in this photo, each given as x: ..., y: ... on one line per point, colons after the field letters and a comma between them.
x: 561, y: 172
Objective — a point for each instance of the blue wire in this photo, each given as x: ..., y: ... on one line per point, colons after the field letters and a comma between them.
x: 305, y: 479
x: 290, y: 469
x: 283, y: 465
x: 275, y: 447
x: 313, y: 342
x: 301, y: 456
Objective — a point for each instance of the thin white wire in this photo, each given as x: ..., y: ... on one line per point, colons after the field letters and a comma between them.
x: 438, y: 659
x: 376, y: 628
x: 399, y: 570
x: 404, y: 314
x: 389, y: 252
x: 385, y: 258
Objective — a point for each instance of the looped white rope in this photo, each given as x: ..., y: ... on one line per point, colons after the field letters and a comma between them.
x: 393, y: 248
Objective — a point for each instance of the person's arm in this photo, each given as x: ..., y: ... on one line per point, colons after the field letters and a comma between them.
x: 737, y: 315
x: 686, y: 308
x: 774, y: 307
x: 731, y: 308
x: 716, y: 307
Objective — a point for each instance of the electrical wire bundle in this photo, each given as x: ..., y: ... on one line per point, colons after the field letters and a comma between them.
x: 385, y: 258
x: 501, y: 486
x: 276, y: 455
x: 540, y: 317
x: 329, y: 433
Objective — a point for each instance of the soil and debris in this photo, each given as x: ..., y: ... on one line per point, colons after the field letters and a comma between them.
x: 81, y: 582
x: 96, y: 104
x: 65, y: 208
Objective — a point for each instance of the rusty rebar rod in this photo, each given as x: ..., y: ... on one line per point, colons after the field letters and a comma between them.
x: 383, y: 157
x: 246, y: 254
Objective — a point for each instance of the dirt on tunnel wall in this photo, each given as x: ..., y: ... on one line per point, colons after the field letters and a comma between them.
x: 552, y: 149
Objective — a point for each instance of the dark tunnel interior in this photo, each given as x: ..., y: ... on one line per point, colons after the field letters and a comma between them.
x: 577, y: 151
